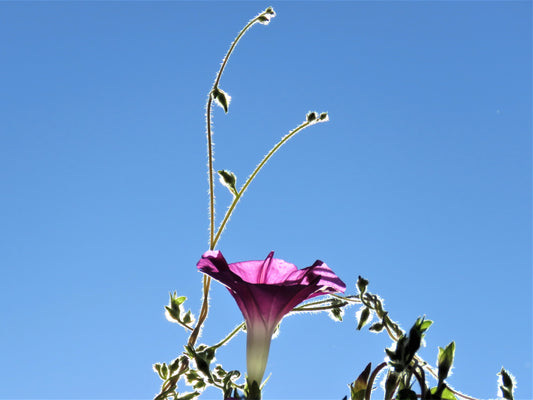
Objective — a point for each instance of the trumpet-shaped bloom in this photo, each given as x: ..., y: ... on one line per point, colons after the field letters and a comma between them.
x: 266, y: 291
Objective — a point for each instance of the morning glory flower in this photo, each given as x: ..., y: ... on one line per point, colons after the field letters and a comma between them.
x: 266, y: 291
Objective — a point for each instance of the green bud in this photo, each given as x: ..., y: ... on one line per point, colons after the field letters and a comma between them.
x: 266, y: 16
x: 221, y: 98
x: 445, y: 361
x: 376, y: 327
x: 361, y: 285
x: 311, y: 116
x: 324, y: 117
x: 363, y: 317
x: 228, y: 179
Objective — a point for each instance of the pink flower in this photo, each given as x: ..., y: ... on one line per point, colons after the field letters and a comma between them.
x: 266, y: 291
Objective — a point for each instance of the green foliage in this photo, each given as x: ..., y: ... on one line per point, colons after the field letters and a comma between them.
x: 228, y: 179
x: 445, y: 361
x: 506, y: 384
x: 442, y: 394
x: 221, y: 98
x: 359, y: 387
x: 176, y: 313
x: 405, y: 370
x: 337, y: 309
x: 363, y: 317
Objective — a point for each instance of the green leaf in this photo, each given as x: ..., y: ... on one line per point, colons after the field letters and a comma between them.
x: 187, y: 318
x: 390, y: 383
x: 174, y: 365
x: 221, y: 98
x: 199, y: 385
x: 157, y: 368
x: 406, y: 394
x: 337, y: 313
x: 324, y: 117
x: 507, y: 384
x: 445, y: 361
x: 219, y: 371
x: 228, y: 179
x: 164, y: 371
x: 446, y: 393
x: 359, y: 386
x: 376, y: 327
x: 189, y: 396
x: 172, y: 315
x: 363, y: 317
x: 311, y: 116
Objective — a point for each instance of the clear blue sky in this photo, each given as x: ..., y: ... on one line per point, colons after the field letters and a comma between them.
x: 420, y: 182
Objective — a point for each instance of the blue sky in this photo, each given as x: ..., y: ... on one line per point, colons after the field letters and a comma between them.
x: 420, y: 182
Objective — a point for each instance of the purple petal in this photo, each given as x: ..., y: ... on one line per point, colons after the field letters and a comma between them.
x: 265, y: 291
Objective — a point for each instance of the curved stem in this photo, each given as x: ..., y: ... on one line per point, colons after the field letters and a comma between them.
x: 372, y: 378
x: 429, y: 368
x: 211, y: 172
x: 230, y: 336
x: 253, y: 175
x: 212, y: 242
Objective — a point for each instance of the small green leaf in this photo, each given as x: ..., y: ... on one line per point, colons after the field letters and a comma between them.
x: 188, y: 396
x: 199, y: 385
x: 445, y: 361
x: 187, y: 318
x: 228, y: 179
x: 324, y: 117
x: 157, y: 368
x: 337, y: 313
x: 172, y: 315
x: 174, y: 365
x: 164, y: 371
x: 359, y: 386
x: 220, y: 372
x: 390, y: 383
x: 221, y: 98
x: 363, y: 317
x: 376, y: 327
x: 446, y: 394
x: 506, y: 384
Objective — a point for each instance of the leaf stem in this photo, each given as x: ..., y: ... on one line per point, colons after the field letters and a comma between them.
x: 253, y: 175
x: 211, y: 172
x: 230, y: 336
